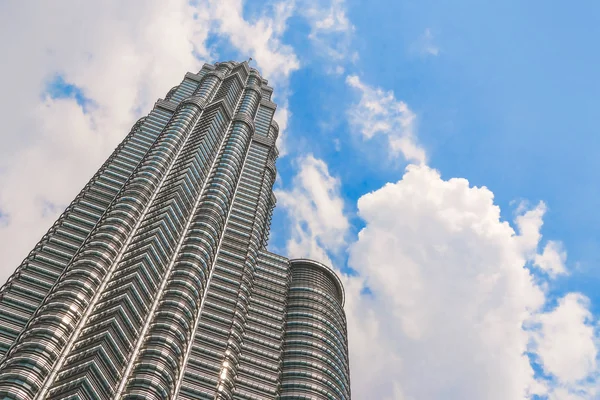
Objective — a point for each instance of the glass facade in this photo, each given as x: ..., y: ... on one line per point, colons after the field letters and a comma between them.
x: 155, y: 283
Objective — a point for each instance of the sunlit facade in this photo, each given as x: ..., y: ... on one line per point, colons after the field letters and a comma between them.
x: 155, y: 283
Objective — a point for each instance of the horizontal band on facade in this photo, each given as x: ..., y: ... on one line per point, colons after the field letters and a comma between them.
x: 263, y: 140
x: 194, y: 77
x: 196, y: 100
x: 217, y: 74
x: 209, y: 67
x: 268, y: 103
x: 271, y: 165
x: 300, y: 262
x: 242, y: 117
x: 166, y: 105
x: 254, y: 87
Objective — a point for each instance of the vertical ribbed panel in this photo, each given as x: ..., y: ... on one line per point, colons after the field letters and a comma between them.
x: 259, y: 370
x: 263, y: 119
x: 254, y: 195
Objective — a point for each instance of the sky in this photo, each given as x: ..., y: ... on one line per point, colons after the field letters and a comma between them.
x: 440, y: 156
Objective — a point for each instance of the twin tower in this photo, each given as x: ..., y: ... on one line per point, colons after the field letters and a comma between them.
x: 155, y: 282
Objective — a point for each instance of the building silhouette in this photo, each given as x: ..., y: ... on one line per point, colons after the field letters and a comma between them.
x: 155, y: 282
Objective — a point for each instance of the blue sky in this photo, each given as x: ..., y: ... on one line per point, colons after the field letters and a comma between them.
x: 477, y: 265
x: 508, y: 103
x: 505, y: 97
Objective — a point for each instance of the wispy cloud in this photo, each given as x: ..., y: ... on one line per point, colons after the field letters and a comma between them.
x: 315, y: 210
x: 259, y: 38
x: 378, y: 112
x: 425, y: 45
x: 331, y: 30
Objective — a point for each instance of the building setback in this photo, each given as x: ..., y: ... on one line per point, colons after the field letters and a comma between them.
x: 155, y: 283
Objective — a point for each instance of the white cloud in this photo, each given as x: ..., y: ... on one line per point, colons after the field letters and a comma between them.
x: 338, y: 70
x: 452, y: 299
x: 282, y: 116
x: 259, y: 39
x: 450, y: 294
x: 315, y: 210
x: 425, y: 45
x: 553, y: 259
x: 451, y: 310
x: 122, y: 57
x: 331, y: 30
x: 331, y: 18
x: 378, y: 112
x: 529, y: 222
x: 566, y: 345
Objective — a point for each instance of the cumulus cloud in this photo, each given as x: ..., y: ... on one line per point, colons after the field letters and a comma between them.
x: 450, y: 293
x: 442, y: 303
x: 553, y: 258
x: 259, y: 39
x: 315, y: 210
x: 379, y: 113
x: 566, y: 345
x: 529, y: 223
x: 120, y: 58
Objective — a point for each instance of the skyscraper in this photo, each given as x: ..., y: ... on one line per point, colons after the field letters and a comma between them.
x: 155, y: 282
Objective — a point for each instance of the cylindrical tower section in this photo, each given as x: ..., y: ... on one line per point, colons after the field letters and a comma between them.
x: 315, y: 358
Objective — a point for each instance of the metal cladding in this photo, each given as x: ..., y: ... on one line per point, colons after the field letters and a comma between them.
x: 315, y: 346
x: 155, y: 282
